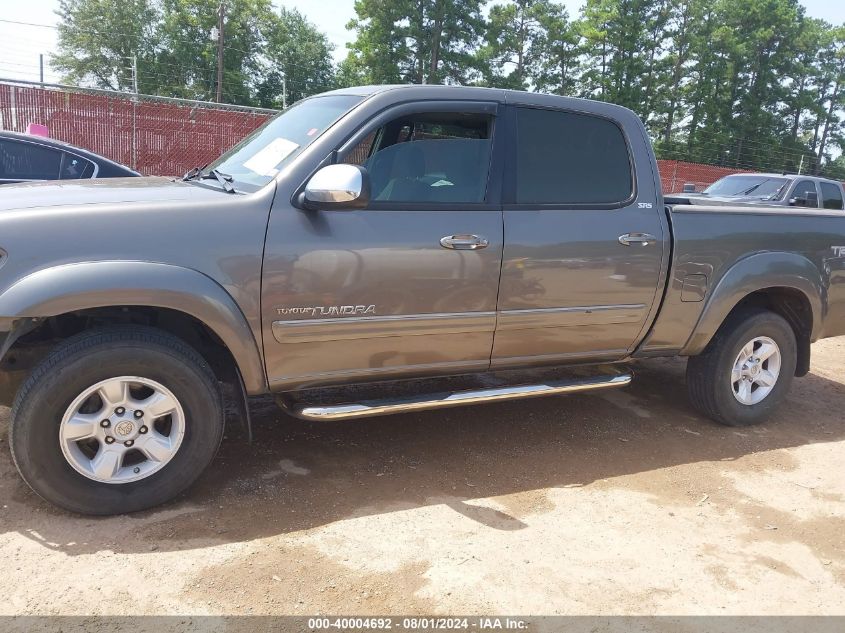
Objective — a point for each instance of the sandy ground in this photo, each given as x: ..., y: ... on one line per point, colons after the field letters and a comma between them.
x: 616, y: 503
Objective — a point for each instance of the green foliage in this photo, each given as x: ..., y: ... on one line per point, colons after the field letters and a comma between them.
x: 510, y: 54
x: 187, y: 62
x: 99, y: 37
x: 626, y: 39
x: 416, y: 41
x: 557, y: 51
x: 297, y: 52
x: 177, y: 56
x: 351, y: 72
x: 741, y: 83
x: 381, y: 53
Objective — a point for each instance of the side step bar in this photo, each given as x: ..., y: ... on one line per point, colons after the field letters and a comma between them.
x: 372, y: 408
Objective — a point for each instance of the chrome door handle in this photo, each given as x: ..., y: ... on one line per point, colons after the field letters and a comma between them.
x: 640, y: 239
x: 464, y: 242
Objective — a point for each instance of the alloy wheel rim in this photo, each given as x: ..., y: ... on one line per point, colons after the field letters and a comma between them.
x: 122, y: 429
x: 755, y: 370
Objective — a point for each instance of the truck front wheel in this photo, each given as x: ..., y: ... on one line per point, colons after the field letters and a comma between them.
x: 116, y: 420
x: 746, y: 369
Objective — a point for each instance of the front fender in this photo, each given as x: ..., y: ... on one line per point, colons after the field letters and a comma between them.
x: 754, y: 273
x: 80, y: 286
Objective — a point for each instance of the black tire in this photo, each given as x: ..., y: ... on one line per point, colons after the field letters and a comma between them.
x: 83, y: 361
x: 709, y: 374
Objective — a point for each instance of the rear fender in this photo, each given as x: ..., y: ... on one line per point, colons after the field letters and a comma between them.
x: 752, y: 274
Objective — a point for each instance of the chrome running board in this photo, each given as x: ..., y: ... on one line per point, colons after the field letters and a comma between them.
x: 370, y: 408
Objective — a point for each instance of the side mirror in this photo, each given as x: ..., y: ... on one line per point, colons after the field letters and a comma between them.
x: 338, y: 187
x: 811, y: 201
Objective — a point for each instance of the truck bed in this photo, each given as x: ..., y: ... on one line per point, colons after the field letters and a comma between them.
x: 716, y: 248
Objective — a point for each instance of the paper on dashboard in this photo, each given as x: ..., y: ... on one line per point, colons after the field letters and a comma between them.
x: 264, y: 162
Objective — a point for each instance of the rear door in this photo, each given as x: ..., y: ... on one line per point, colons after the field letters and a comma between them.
x: 831, y: 197
x: 585, y: 238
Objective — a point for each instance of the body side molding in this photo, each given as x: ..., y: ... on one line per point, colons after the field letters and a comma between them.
x: 367, y: 327
x: 532, y: 318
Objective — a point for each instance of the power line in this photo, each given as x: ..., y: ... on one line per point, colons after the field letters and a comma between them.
x: 90, y: 31
x: 191, y: 43
x: 163, y: 78
x: 46, y: 26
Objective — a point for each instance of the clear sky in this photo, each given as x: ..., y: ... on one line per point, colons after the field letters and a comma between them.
x: 21, y: 45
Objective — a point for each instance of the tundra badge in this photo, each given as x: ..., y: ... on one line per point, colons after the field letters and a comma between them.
x: 328, y: 310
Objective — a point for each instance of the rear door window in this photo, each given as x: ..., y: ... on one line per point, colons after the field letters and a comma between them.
x: 564, y: 158
x: 28, y: 161
x: 831, y: 195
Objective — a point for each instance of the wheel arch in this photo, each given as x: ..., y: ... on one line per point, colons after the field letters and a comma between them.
x: 89, y: 287
x: 785, y: 283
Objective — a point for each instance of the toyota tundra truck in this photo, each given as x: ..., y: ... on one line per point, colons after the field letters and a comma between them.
x: 375, y: 243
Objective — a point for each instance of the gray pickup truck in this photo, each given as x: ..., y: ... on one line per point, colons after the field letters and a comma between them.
x: 777, y: 190
x: 369, y: 236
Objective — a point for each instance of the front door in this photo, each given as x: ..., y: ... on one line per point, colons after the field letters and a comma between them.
x: 406, y: 287
x: 585, y: 240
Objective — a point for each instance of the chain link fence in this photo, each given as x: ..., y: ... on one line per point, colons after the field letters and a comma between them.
x: 164, y: 136
x: 674, y: 174
x: 154, y: 135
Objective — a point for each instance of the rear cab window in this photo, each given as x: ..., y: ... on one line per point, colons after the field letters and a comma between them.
x: 567, y: 158
x: 831, y: 195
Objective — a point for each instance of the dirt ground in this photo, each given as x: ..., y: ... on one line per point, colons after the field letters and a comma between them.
x: 624, y: 502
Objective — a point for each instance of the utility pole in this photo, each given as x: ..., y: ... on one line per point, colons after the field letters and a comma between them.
x: 221, y: 11
x: 284, y: 91
x: 41, y: 67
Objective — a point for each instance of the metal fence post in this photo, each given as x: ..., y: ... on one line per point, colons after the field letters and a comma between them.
x: 135, y: 112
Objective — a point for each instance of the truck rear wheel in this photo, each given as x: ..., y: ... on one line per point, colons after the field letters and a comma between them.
x: 746, y: 370
x: 116, y: 420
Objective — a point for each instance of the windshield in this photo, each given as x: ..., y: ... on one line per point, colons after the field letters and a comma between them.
x: 260, y: 156
x: 756, y: 186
